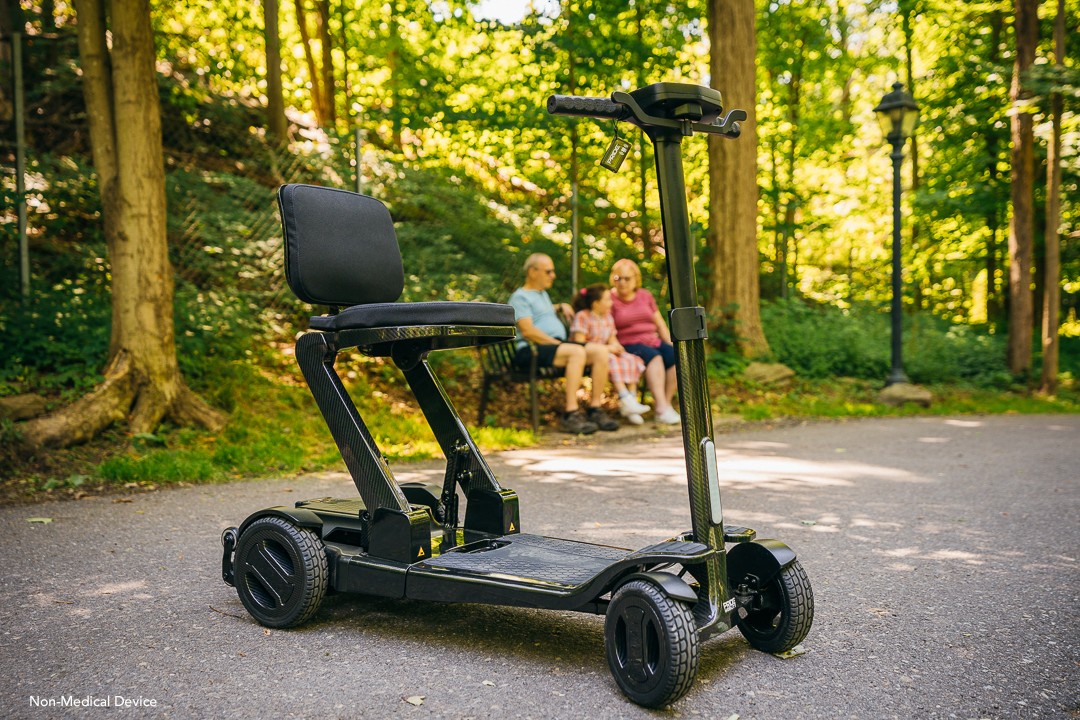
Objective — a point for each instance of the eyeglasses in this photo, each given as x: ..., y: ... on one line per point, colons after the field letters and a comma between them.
x: 548, y: 271
x: 618, y: 278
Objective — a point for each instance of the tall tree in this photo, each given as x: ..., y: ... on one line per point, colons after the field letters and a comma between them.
x: 1022, y: 226
x: 321, y: 70
x: 142, y: 378
x: 994, y: 309
x: 732, y: 234
x: 1052, y: 285
x: 276, y: 124
x: 10, y: 21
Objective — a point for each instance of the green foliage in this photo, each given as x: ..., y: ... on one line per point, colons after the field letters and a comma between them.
x: 56, y: 341
x: 456, y: 244
x: 822, y: 341
x: 477, y: 176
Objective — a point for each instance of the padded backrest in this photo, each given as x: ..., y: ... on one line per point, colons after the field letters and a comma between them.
x: 340, y: 247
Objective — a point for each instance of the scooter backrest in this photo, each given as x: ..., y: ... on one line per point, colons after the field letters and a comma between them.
x: 340, y: 247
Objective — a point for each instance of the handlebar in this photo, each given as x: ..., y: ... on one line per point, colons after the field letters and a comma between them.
x: 595, y: 107
x: 622, y: 106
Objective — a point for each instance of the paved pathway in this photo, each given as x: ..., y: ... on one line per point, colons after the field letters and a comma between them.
x: 944, y: 555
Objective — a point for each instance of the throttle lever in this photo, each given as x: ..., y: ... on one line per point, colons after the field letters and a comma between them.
x: 730, y: 124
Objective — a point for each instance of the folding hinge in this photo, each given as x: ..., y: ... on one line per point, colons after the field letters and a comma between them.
x: 688, y: 323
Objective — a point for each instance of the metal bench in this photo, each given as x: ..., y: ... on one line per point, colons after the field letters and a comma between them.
x: 498, y: 365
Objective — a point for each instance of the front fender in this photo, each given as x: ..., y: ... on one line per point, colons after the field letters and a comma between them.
x: 764, y: 559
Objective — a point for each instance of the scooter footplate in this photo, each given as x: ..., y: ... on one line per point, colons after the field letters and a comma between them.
x: 531, y: 559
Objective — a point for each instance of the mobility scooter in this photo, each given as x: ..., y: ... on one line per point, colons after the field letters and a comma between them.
x: 414, y: 540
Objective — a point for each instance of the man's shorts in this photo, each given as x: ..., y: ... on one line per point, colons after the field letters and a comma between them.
x: 646, y: 353
x: 545, y: 355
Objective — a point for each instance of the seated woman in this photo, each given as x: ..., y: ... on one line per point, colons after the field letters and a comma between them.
x: 642, y: 331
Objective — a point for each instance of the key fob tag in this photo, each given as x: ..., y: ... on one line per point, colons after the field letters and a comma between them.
x: 615, y: 154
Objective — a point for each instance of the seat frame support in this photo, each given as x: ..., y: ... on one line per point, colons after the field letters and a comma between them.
x: 490, y: 508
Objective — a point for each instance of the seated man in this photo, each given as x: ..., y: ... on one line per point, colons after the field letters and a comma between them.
x: 537, y: 322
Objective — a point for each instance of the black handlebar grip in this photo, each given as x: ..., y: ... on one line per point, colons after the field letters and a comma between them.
x: 596, y: 107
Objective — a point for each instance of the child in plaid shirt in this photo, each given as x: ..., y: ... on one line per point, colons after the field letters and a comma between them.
x: 593, y: 323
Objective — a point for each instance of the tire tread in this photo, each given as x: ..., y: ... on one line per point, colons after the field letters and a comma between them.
x: 312, y: 556
x: 684, y: 651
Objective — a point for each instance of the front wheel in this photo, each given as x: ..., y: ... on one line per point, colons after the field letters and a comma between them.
x: 781, y: 614
x: 280, y: 572
x: 651, y: 643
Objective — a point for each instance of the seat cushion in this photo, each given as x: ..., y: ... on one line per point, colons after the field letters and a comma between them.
x: 416, y: 313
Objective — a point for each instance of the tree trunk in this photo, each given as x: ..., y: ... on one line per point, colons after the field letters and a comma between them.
x: 8, y: 25
x: 276, y: 123
x: 994, y: 304
x: 648, y: 242
x: 98, y: 96
x: 48, y: 16
x: 329, y: 86
x: 393, y: 64
x: 913, y: 141
x: 314, y: 76
x: 1052, y: 280
x: 732, y: 234
x: 142, y: 381
x: 1022, y: 226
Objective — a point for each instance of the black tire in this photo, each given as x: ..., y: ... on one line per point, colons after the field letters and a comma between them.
x: 281, y: 572
x: 782, y: 614
x: 651, y: 643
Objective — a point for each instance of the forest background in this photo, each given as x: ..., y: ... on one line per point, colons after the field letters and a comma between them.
x: 438, y: 108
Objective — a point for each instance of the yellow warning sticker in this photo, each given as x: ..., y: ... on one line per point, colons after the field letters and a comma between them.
x: 421, y: 553
x: 512, y: 528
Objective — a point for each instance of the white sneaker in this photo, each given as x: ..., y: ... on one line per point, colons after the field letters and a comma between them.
x: 630, y: 406
x: 634, y: 419
x: 668, y: 417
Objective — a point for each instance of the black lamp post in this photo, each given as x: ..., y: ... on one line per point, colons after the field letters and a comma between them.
x: 898, y: 114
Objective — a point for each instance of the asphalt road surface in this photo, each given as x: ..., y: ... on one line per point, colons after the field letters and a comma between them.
x: 944, y: 555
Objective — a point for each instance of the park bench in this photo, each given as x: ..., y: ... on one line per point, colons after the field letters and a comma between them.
x: 497, y: 362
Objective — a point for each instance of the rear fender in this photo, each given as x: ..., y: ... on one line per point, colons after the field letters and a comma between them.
x: 301, y: 517
x: 297, y: 516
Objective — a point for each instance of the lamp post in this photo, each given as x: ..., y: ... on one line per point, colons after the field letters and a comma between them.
x: 898, y: 114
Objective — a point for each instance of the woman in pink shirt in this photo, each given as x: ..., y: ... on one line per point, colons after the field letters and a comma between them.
x: 642, y: 331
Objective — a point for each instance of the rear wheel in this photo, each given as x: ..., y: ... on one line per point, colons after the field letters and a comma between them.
x: 781, y: 613
x: 281, y: 572
x: 651, y: 643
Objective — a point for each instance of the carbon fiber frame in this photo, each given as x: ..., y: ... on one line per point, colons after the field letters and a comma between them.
x: 316, y: 352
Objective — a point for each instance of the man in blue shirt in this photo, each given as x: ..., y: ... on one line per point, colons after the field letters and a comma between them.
x: 538, y: 323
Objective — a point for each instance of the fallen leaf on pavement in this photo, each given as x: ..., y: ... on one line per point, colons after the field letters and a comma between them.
x: 793, y: 652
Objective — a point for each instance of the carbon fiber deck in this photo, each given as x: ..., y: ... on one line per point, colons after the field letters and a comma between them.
x: 538, y: 559
x: 343, y: 506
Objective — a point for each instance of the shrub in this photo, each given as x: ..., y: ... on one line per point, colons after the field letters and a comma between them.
x: 823, y: 341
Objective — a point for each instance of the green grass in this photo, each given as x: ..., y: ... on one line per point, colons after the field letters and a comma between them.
x: 853, y: 398
x: 275, y: 429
